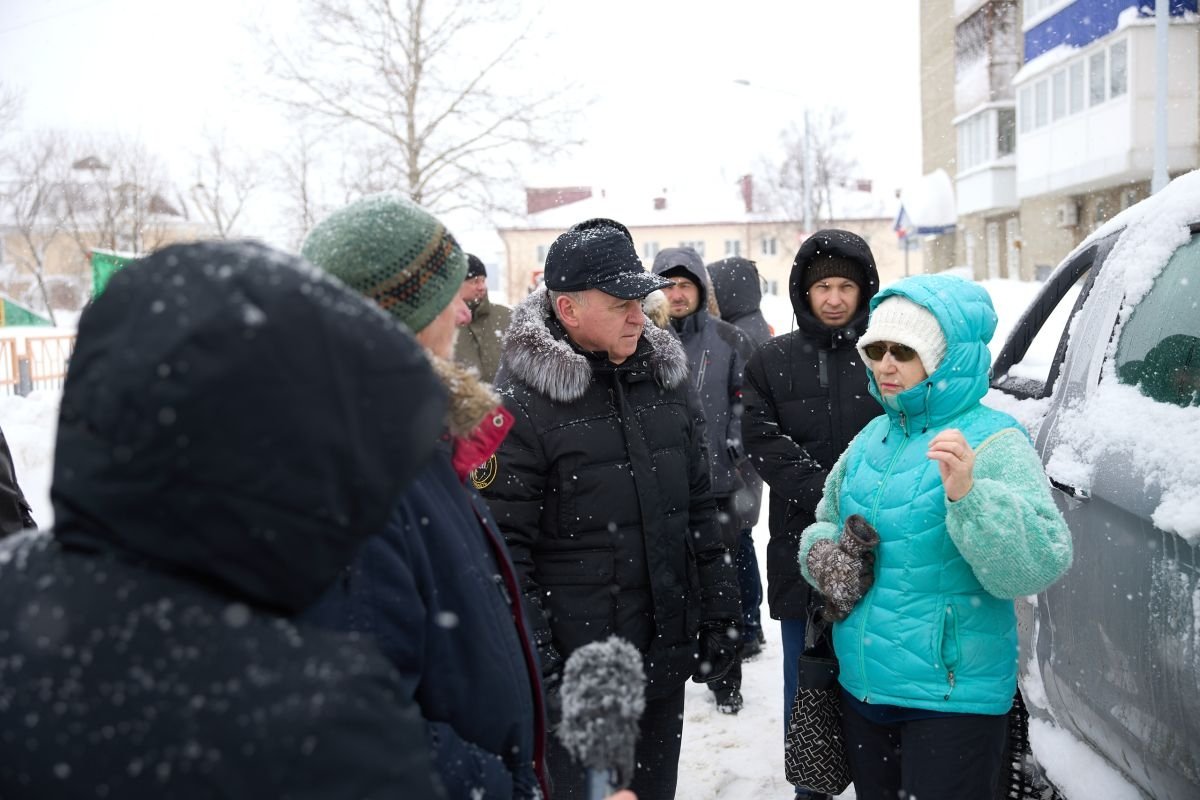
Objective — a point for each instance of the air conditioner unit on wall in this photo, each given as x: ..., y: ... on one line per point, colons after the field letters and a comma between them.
x: 1066, y: 215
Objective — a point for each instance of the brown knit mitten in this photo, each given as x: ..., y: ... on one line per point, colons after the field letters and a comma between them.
x: 844, y: 570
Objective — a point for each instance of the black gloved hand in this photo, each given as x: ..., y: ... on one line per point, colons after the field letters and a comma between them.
x: 844, y: 570
x: 552, y: 691
x: 552, y: 663
x: 716, y: 651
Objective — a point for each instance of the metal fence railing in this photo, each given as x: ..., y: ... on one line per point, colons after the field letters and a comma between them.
x: 10, y: 376
x: 41, y: 363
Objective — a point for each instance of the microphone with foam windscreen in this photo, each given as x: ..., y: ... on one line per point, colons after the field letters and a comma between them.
x: 603, y: 697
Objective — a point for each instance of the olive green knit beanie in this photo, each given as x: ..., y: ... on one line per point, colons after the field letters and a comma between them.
x: 391, y: 250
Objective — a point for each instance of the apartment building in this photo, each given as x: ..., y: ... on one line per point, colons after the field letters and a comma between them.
x: 1053, y: 122
x: 716, y: 221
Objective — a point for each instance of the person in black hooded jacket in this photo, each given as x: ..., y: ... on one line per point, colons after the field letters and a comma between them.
x: 233, y: 427
x: 805, y: 397
x: 738, y: 287
x: 717, y: 354
x: 603, y: 492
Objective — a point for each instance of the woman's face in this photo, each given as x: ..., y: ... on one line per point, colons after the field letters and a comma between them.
x: 896, y: 367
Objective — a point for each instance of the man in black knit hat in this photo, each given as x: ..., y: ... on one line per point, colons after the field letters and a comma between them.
x: 480, y: 341
x: 805, y: 397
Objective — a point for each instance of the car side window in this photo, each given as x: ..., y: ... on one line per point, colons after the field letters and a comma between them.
x: 1030, y: 361
x: 1159, y: 350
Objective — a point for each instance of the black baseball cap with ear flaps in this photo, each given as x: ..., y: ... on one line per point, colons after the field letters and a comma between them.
x: 599, y: 254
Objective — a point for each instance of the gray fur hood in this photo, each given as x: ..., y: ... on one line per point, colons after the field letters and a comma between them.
x: 551, y: 366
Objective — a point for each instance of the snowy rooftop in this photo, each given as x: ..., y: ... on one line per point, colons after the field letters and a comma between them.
x: 707, y: 204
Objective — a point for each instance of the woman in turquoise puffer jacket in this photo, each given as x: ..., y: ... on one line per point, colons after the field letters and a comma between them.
x: 936, y: 516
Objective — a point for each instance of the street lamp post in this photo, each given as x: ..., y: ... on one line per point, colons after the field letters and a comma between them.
x: 805, y: 166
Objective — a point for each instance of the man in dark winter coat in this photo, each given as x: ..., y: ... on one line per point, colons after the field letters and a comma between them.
x: 717, y: 353
x: 738, y: 288
x: 480, y: 341
x: 436, y: 589
x: 15, y: 513
x: 233, y: 427
x: 603, y: 490
x: 805, y: 398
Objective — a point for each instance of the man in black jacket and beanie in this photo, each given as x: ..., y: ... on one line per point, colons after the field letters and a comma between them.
x: 233, y: 427
x: 805, y: 396
x: 717, y: 353
x: 603, y: 491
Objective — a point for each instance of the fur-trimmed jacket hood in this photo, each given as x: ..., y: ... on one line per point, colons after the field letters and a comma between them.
x: 538, y: 353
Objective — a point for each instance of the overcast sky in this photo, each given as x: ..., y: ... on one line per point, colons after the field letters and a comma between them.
x: 662, y: 72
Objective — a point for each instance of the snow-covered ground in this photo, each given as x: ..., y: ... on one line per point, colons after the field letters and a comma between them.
x: 727, y: 757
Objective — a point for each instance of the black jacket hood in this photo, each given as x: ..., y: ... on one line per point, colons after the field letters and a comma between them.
x: 737, y: 286
x: 845, y: 244
x: 672, y: 258
x: 234, y: 416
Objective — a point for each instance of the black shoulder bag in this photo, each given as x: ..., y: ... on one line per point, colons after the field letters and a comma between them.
x: 814, y: 750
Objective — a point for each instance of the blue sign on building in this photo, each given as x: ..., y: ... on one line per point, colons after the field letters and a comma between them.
x: 1085, y: 21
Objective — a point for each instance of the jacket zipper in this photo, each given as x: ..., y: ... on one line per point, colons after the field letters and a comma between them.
x: 951, y: 622
x: 862, y: 625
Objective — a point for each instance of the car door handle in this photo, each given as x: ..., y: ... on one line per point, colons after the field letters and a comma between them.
x: 1071, y: 491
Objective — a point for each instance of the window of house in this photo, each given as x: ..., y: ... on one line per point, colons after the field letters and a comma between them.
x: 1096, y: 78
x: 733, y: 247
x: 650, y: 249
x: 1035, y: 7
x: 1058, y: 95
x: 541, y: 254
x: 1118, y: 74
x: 1041, y: 103
x: 975, y: 146
x: 1006, y: 131
x: 1075, y: 82
x: 773, y: 287
x: 770, y: 246
x: 1025, y: 102
x: 698, y: 246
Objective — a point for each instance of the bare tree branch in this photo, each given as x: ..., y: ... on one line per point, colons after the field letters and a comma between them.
x: 428, y: 85
x: 225, y: 180
x: 33, y: 206
x: 779, y: 187
x: 12, y: 101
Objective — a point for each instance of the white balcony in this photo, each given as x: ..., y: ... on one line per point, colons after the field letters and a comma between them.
x: 986, y: 179
x: 1086, y: 119
x: 991, y: 187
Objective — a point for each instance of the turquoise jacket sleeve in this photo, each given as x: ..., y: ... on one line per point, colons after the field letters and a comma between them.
x: 828, y: 523
x: 1007, y: 526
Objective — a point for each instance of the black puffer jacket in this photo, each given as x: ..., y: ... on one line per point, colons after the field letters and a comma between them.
x: 806, y: 397
x: 603, y: 495
x: 717, y: 353
x: 233, y: 427
x: 738, y: 288
x: 15, y: 513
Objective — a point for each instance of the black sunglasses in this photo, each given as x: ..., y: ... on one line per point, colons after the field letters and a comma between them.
x: 901, y: 352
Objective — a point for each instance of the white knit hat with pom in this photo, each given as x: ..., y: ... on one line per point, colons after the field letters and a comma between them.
x: 900, y: 320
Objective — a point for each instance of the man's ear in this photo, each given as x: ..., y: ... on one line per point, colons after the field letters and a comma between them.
x: 568, y: 311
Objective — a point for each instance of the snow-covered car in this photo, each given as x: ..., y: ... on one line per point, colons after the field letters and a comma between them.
x: 1111, y: 653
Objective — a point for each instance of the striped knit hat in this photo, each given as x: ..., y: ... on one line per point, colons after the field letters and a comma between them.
x: 394, y: 252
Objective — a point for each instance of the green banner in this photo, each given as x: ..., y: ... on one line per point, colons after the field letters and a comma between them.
x: 104, y: 264
x: 16, y: 314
